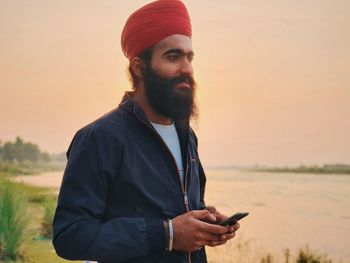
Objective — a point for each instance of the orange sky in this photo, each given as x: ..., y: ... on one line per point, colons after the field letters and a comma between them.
x: 273, y: 76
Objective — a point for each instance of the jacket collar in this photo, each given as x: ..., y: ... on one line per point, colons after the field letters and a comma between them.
x: 183, y: 129
x: 127, y: 103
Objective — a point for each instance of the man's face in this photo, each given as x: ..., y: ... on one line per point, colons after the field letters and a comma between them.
x: 168, y: 78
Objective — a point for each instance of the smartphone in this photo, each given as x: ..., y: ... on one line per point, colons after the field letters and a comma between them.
x: 233, y: 219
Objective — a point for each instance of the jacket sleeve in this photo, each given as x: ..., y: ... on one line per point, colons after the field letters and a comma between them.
x: 80, y: 231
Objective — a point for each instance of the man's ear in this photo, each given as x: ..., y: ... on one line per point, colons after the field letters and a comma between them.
x: 136, y: 66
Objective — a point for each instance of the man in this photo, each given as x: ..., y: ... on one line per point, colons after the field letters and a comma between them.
x: 133, y: 188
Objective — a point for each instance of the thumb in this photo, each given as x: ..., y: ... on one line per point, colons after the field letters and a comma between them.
x: 203, y: 215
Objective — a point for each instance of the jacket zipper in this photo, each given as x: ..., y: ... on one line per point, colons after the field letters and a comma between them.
x: 182, y: 184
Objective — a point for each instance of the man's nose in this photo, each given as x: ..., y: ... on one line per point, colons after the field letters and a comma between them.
x: 186, y: 67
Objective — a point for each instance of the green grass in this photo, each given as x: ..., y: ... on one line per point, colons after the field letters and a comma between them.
x: 13, y: 220
x: 49, y: 211
x: 36, y: 250
x: 34, y: 194
x: 39, y: 207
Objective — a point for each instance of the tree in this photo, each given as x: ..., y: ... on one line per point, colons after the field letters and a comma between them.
x: 21, y: 151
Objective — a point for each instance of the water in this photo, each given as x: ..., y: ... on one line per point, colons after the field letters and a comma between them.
x: 48, y: 179
x: 286, y: 210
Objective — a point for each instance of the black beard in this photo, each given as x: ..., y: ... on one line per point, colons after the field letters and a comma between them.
x: 167, y: 100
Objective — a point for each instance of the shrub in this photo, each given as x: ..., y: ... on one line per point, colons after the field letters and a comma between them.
x: 267, y: 259
x: 13, y: 220
x: 305, y: 255
x: 49, y: 211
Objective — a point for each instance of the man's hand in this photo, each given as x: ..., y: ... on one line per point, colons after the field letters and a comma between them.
x: 191, y: 232
x: 221, y: 218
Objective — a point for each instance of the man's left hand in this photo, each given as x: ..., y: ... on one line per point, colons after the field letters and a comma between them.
x: 221, y: 218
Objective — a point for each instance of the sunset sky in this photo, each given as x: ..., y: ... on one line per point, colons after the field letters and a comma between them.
x: 273, y: 76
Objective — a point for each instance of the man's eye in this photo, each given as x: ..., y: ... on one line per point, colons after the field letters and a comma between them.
x: 172, y: 58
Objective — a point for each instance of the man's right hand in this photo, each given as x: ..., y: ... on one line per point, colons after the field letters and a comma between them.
x: 191, y: 232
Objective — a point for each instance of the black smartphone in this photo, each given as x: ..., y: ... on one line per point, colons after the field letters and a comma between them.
x: 233, y: 219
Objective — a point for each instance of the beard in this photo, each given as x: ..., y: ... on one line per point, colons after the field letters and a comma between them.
x: 166, y: 99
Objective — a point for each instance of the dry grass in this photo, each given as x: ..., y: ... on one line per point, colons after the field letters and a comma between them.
x: 240, y: 250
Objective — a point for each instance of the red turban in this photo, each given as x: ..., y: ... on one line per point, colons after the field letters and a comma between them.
x: 152, y: 23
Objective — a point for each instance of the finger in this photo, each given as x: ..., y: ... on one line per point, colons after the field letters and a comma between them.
x: 213, y: 229
x: 209, y: 237
x: 211, y: 209
x: 234, y: 227
x: 223, y: 218
x: 202, y: 215
x: 228, y: 236
x: 212, y: 218
x: 219, y: 217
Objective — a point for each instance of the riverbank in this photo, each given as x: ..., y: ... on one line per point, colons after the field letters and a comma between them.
x: 343, y: 169
x: 50, y: 180
x: 30, y: 167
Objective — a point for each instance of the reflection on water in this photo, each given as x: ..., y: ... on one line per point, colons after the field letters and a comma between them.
x: 287, y: 210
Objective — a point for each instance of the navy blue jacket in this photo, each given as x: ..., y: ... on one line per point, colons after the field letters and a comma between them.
x: 120, y: 183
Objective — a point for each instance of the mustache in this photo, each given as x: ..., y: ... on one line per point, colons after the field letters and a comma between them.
x: 148, y: 71
x: 180, y: 79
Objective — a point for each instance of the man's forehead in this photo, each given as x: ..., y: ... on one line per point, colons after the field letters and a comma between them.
x: 181, y: 42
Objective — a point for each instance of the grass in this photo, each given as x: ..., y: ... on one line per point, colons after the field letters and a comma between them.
x: 28, y: 167
x: 13, y: 220
x: 34, y: 194
x: 240, y: 250
x: 49, y: 211
x: 36, y: 250
x: 40, y: 207
x: 306, y: 255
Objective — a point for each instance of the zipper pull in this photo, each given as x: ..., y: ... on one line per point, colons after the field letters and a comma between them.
x: 185, y: 198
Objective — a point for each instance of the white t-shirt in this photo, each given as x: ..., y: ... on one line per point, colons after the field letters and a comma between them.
x: 170, y: 137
